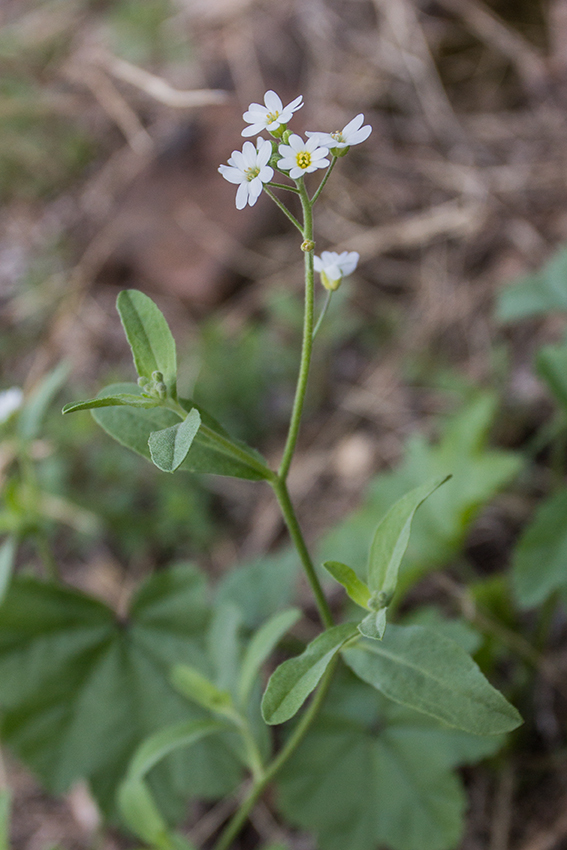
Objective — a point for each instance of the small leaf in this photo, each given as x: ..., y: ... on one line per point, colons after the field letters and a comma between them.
x: 374, y: 625
x: 197, y: 688
x: 117, y: 400
x: 7, y: 560
x: 151, y: 341
x: 420, y: 668
x: 165, y: 741
x: 140, y: 812
x: 392, y: 536
x: 543, y: 291
x: 170, y: 446
x: 292, y: 682
x: 260, y: 647
x: 346, y: 576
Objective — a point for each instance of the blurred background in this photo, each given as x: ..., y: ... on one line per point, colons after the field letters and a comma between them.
x: 114, y: 116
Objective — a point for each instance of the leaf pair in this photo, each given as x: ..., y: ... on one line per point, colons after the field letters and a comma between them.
x: 386, y: 552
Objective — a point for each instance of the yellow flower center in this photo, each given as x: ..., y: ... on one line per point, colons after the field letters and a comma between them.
x: 338, y: 136
x: 303, y: 159
x: 272, y: 116
x: 251, y: 173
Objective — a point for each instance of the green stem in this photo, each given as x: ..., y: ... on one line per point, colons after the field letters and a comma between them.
x: 323, y: 312
x: 324, y: 180
x: 238, y: 820
x: 284, y: 209
x: 307, y: 344
x: 283, y: 186
x: 282, y: 495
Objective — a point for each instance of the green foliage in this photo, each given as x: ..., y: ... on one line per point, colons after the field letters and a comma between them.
x: 261, y: 588
x: 372, y: 773
x: 72, y: 675
x: 293, y: 681
x: 132, y: 428
x: 540, y: 556
x: 422, y: 669
x: 261, y: 646
x: 543, y: 291
x: 151, y: 341
x: 442, y: 523
x: 169, y: 447
x: 7, y: 561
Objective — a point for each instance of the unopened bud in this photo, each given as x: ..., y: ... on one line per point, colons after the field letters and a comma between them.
x: 161, y: 389
x: 157, y: 376
x: 308, y: 245
x: 144, y: 383
x: 379, y: 600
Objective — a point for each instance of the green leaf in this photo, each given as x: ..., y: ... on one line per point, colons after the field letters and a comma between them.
x: 292, y: 682
x: 374, y: 625
x: 428, y: 672
x: 170, y: 446
x: 151, y: 341
x: 543, y: 291
x: 346, y: 576
x: 136, y: 802
x: 5, y: 810
x: 197, y: 688
x: 261, y: 646
x: 223, y: 644
x: 35, y: 407
x: 165, y: 741
x: 441, y: 525
x: 72, y: 675
x: 551, y: 363
x: 117, y: 400
x: 7, y: 561
x: 540, y: 557
x: 262, y: 587
x: 371, y: 773
x: 391, y: 539
x: 141, y: 814
x: 132, y: 428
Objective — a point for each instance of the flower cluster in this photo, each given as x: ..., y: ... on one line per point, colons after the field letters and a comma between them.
x: 293, y: 156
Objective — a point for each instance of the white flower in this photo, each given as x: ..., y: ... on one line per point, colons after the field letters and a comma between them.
x: 271, y: 116
x: 333, y: 267
x: 10, y: 401
x: 352, y: 134
x: 299, y: 157
x: 250, y: 169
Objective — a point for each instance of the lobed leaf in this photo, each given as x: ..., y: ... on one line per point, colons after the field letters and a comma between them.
x: 428, y: 672
x: 149, y: 336
x: 371, y: 773
x: 170, y: 446
x: 292, y: 682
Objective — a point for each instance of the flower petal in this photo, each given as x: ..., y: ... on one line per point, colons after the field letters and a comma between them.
x: 296, y: 143
x: 264, y: 152
x: 233, y: 175
x: 353, y: 125
x: 266, y: 174
x: 242, y: 196
x: 253, y: 130
x: 273, y: 101
x: 295, y: 104
x: 360, y: 135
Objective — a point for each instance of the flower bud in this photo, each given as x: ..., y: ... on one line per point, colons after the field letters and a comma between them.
x: 331, y: 285
x: 157, y: 376
x: 161, y: 389
x: 308, y: 245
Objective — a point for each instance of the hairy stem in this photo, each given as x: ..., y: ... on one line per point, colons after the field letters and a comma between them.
x: 324, y: 180
x: 307, y: 344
